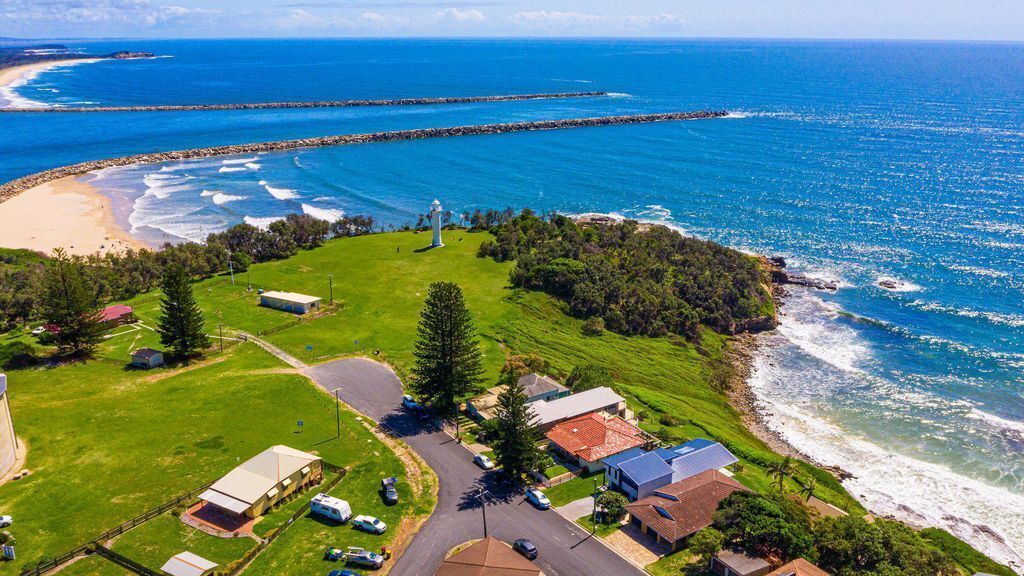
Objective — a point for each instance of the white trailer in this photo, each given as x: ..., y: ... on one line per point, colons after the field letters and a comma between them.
x: 330, y: 507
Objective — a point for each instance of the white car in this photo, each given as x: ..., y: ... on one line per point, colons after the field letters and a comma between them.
x: 369, y: 524
x: 483, y: 462
x: 39, y: 330
x: 538, y: 499
x: 6, y: 521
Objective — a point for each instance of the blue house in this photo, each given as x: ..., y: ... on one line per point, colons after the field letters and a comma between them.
x: 637, y: 473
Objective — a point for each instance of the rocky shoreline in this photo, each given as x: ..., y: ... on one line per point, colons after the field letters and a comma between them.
x: 316, y: 104
x: 19, y: 185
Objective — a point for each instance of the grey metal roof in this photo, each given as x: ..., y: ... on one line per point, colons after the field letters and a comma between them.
x: 711, y: 457
x: 535, y: 385
x: 645, y: 468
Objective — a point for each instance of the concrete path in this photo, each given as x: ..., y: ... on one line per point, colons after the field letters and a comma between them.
x: 281, y: 354
x: 566, y: 549
x: 577, y: 508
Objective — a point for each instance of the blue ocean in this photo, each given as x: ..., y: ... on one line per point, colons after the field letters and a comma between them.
x: 894, y: 169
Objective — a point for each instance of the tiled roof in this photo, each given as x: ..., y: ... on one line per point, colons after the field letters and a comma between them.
x: 798, y: 567
x: 594, y: 436
x: 488, y: 557
x: 114, y: 312
x: 679, y: 509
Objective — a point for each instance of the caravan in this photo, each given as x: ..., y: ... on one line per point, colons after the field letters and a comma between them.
x: 330, y: 507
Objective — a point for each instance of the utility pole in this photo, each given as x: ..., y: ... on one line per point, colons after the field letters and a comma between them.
x: 330, y: 279
x: 483, y: 507
x: 593, y: 517
x: 231, y: 268
x: 337, y: 410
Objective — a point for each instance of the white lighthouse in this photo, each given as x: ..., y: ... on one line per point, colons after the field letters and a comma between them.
x: 435, y: 223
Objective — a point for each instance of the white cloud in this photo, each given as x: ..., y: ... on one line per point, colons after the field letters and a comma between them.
x: 457, y: 15
x: 554, y: 18
x: 134, y: 12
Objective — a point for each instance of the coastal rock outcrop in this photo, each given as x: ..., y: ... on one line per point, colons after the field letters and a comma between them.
x: 314, y: 104
x: 777, y: 264
x: 19, y: 185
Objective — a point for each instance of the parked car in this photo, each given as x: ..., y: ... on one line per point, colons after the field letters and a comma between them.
x: 361, y: 557
x: 526, y: 548
x: 369, y: 524
x: 6, y: 521
x: 343, y: 573
x: 483, y: 462
x: 388, y: 491
x: 410, y: 403
x: 38, y: 330
x: 538, y: 499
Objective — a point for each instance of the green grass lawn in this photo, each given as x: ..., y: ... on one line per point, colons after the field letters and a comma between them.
x: 107, y: 443
x: 571, y: 491
x: 152, y: 543
x: 680, y: 563
x: 603, y: 530
x: 379, y: 285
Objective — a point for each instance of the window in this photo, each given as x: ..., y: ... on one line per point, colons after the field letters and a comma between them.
x: 305, y: 470
x: 286, y: 482
x: 664, y: 513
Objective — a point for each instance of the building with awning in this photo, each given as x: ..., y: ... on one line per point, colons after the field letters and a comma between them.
x: 263, y: 480
x: 187, y: 564
x: 8, y: 440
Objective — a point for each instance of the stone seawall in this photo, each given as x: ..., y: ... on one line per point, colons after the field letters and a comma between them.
x: 19, y: 185
x: 319, y: 104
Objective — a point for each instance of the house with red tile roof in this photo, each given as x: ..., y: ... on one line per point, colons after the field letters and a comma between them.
x: 592, y: 437
x: 798, y: 567
x: 116, y: 315
x: 674, y: 512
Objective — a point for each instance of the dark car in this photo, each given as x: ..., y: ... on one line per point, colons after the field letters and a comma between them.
x: 388, y: 491
x: 526, y: 548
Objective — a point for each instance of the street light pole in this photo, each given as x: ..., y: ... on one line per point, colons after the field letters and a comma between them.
x: 337, y: 410
x: 330, y: 279
x: 593, y: 517
x: 483, y: 507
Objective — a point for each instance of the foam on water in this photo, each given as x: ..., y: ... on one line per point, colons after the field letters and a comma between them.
x: 329, y: 214
x: 240, y: 160
x: 279, y: 193
x: 996, y: 421
x: 11, y: 98
x: 262, y: 222
x: 809, y: 323
x: 232, y: 169
x: 221, y: 198
x: 252, y: 166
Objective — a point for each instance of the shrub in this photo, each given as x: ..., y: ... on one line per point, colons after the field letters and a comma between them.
x: 613, y: 504
x: 587, y: 376
x: 668, y: 420
x: 17, y: 355
x: 593, y: 326
x: 705, y: 543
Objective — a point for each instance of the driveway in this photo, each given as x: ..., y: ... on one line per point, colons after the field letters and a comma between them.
x: 566, y: 549
x: 577, y: 508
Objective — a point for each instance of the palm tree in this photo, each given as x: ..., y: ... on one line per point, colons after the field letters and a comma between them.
x: 809, y: 487
x: 781, y: 470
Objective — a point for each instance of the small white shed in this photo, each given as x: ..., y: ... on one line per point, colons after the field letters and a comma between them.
x: 289, y: 301
x: 187, y: 564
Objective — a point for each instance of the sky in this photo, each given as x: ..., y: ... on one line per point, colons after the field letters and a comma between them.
x: 881, y: 19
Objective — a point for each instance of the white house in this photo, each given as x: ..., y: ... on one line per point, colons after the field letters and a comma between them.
x: 289, y: 301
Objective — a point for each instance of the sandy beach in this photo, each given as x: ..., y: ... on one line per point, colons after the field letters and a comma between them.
x: 63, y: 213
x: 10, y: 77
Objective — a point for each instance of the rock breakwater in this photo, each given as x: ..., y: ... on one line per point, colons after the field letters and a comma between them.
x: 19, y: 185
x: 317, y: 104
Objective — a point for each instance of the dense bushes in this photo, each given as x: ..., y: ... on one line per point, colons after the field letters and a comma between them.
x: 772, y: 527
x: 850, y: 545
x: 638, y: 279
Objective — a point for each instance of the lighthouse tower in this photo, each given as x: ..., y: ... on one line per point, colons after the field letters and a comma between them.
x: 435, y: 223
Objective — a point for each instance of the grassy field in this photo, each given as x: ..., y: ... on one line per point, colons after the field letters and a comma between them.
x: 572, y: 490
x: 379, y: 285
x: 107, y: 443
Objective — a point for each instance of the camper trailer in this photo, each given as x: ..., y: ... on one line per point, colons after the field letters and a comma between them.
x: 330, y: 507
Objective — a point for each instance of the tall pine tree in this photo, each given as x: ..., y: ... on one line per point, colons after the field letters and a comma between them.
x: 181, y: 320
x: 516, y: 446
x: 448, y: 359
x: 70, y: 305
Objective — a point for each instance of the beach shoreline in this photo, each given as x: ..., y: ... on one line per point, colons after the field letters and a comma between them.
x: 15, y: 76
x: 65, y: 213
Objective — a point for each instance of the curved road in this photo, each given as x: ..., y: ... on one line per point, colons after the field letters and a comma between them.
x: 566, y: 549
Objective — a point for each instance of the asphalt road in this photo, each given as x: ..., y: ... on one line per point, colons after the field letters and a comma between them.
x: 566, y: 549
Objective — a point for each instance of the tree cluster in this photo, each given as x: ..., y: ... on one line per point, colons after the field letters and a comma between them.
x: 124, y: 275
x: 638, y: 279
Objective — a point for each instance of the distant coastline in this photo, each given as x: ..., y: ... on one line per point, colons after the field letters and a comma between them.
x: 13, y: 76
